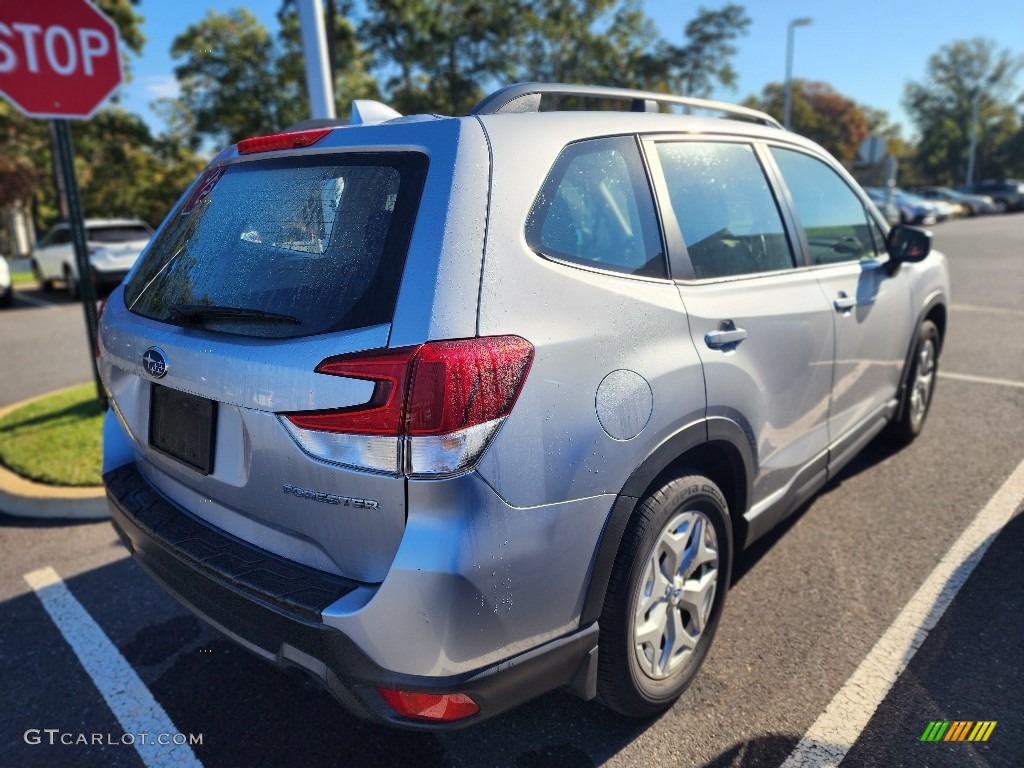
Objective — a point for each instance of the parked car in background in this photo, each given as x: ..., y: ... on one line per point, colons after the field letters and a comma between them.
x: 6, y: 287
x: 1008, y: 194
x: 114, y: 246
x: 912, y: 209
x: 453, y: 411
x: 885, y: 205
x: 973, y: 205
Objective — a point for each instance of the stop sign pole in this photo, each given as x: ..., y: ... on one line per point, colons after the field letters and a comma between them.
x: 60, y: 59
x: 87, y: 290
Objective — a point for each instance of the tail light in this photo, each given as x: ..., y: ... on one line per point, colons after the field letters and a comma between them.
x: 435, y: 707
x: 293, y: 140
x: 433, y: 410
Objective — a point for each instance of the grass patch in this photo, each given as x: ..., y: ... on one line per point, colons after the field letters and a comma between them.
x: 56, y: 440
x: 22, y: 278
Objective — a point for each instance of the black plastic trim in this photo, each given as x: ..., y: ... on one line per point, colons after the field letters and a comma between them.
x: 287, y: 637
x: 714, y: 429
x: 220, y: 557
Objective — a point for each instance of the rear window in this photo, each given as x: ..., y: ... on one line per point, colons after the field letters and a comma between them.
x: 285, y: 247
x: 119, y: 234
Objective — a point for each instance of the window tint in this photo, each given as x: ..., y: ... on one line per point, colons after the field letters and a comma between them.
x: 725, y: 209
x: 124, y: 233
x: 596, y: 209
x: 837, y: 225
x: 315, y: 244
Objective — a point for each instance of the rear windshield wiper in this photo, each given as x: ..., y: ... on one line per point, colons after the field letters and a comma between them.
x: 194, y: 314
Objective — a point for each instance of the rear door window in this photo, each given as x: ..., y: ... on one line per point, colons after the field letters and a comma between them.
x: 285, y: 247
x: 725, y: 208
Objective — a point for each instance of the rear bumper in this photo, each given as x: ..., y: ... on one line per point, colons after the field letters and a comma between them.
x: 272, y: 606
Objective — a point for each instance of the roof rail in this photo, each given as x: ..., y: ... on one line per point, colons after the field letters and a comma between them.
x: 525, y: 97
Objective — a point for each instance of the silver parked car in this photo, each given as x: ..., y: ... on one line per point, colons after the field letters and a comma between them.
x: 113, y: 244
x: 452, y: 411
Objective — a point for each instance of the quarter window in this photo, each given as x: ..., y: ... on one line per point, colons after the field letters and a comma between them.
x: 596, y: 209
x: 836, y: 222
x: 728, y: 216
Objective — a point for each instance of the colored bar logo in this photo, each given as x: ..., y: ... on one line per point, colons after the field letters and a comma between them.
x: 958, y: 730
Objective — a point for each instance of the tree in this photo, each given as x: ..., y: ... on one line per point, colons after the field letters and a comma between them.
x: 820, y: 113
x: 441, y: 51
x: 229, y: 78
x: 965, y: 78
x: 705, y: 58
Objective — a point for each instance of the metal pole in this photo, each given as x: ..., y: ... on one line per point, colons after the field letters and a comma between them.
x: 66, y: 160
x: 974, y: 136
x: 787, y: 107
x: 314, y: 48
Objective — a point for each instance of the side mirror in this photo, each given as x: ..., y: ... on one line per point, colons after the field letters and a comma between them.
x: 908, y: 243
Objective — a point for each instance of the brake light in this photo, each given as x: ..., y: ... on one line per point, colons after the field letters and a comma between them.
x: 433, y: 410
x: 437, y: 707
x: 294, y: 140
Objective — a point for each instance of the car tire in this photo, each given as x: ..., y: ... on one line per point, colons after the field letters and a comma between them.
x: 7, y: 297
x: 74, y: 290
x: 44, y: 282
x: 665, y: 596
x: 920, y: 387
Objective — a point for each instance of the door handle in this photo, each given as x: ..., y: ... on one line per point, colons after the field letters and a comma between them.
x: 844, y: 303
x: 727, y: 335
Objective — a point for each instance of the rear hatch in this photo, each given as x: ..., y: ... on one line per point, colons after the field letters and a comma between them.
x: 115, y: 247
x: 269, y: 266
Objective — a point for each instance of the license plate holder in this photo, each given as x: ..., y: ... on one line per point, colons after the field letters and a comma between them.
x: 182, y: 427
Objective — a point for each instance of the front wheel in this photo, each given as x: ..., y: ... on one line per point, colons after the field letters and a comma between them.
x: 917, y: 397
x: 665, y: 596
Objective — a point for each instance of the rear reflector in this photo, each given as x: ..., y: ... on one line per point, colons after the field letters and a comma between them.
x: 436, y: 707
x: 441, y: 402
x: 294, y: 140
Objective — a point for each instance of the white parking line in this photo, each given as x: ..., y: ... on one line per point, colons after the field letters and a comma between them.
x: 844, y: 719
x: 981, y: 379
x: 988, y: 310
x: 126, y: 695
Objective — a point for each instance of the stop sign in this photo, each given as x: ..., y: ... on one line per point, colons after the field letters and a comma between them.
x: 58, y: 58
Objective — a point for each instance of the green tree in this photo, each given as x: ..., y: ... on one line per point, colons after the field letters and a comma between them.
x: 705, y: 58
x: 820, y: 113
x: 229, y: 78
x: 441, y: 51
x: 962, y: 78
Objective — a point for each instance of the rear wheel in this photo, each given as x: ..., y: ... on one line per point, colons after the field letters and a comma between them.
x: 665, y: 596
x: 45, y: 283
x: 917, y: 398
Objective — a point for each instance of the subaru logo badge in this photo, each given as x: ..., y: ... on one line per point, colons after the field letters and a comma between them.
x: 155, y: 362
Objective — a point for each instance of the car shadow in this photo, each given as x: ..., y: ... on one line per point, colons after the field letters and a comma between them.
x: 875, y: 453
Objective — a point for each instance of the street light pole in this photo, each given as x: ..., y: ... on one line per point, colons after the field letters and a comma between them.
x: 787, y: 110
x: 974, y: 135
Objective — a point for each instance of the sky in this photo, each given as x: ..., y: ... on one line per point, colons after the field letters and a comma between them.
x: 865, y: 49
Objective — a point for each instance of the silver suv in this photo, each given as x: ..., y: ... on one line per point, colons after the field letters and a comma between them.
x: 453, y: 411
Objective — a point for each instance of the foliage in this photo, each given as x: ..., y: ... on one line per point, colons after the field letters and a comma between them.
x: 822, y: 114
x: 705, y: 58
x: 943, y: 104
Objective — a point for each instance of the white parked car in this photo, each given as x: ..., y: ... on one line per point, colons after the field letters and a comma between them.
x: 114, y: 246
x: 6, y: 289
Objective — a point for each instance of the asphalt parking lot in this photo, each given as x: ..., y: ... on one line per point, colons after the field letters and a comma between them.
x: 104, y: 651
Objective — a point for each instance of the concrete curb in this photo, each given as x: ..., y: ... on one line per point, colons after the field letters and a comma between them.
x: 25, y: 498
